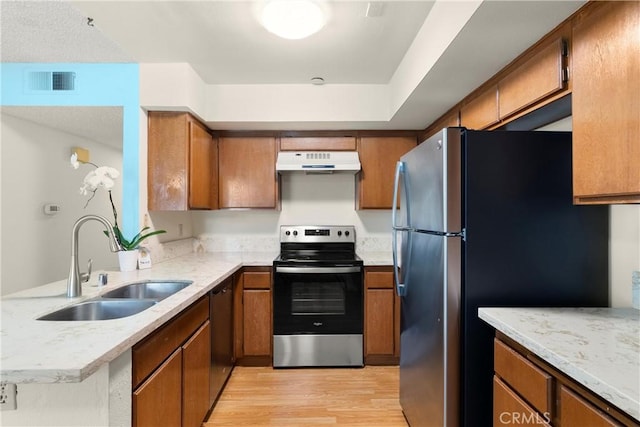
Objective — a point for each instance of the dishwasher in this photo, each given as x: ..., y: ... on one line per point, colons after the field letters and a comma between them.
x: 222, y: 357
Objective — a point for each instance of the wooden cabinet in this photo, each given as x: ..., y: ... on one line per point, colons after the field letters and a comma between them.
x: 481, y: 111
x: 182, y: 163
x: 529, y: 392
x: 318, y: 143
x: 542, y: 75
x: 254, y: 330
x: 247, y: 172
x: 170, y: 371
x: 378, y: 157
x: 382, y: 317
x: 606, y: 111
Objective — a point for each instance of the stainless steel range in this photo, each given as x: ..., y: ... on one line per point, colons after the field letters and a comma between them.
x: 317, y: 298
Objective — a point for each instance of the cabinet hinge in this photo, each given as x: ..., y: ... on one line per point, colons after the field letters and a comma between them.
x: 564, y: 48
x: 565, y: 74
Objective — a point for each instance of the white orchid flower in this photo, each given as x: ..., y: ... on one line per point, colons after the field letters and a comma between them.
x: 74, y: 161
x: 102, y: 176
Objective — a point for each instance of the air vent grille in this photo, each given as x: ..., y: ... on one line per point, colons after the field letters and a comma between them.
x: 51, y: 80
x: 318, y: 156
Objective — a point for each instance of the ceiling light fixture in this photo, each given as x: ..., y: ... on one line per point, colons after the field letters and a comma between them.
x: 292, y: 19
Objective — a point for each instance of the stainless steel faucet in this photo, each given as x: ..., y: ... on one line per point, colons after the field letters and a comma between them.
x: 75, y: 277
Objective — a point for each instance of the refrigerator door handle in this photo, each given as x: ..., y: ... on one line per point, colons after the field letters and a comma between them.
x: 401, y: 288
x: 394, y: 207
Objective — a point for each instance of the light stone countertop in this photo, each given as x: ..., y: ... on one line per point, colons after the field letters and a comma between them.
x: 35, y: 351
x: 376, y: 258
x: 597, y: 347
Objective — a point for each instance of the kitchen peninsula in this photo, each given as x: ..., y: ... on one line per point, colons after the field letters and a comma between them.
x: 588, y: 358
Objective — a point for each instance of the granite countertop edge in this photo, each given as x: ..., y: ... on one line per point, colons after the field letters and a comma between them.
x: 580, y: 343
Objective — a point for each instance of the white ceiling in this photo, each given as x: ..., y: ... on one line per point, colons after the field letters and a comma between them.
x: 224, y: 44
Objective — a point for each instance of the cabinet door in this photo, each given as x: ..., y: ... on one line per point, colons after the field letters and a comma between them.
x: 575, y: 411
x: 482, y: 111
x: 203, y: 168
x: 257, y: 322
x: 247, y: 173
x: 605, y: 107
x: 380, y: 322
x: 167, y: 161
x: 158, y: 401
x: 196, y: 359
x: 510, y: 410
x: 378, y: 157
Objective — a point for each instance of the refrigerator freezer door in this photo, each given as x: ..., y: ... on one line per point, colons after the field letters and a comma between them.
x: 432, y: 176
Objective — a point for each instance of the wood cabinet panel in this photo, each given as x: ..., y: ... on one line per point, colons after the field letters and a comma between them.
x: 257, y: 330
x: 378, y: 278
x: 575, y: 411
x: 378, y: 157
x: 605, y: 103
x: 196, y: 360
x: 151, y: 351
x: 379, y: 321
x: 158, y: 402
x: 537, y: 78
x: 532, y: 383
x: 247, y: 172
x: 203, y: 168
x: 181, y: 164
x: 318, y: 143
x: 510, y: 410
x: 482, y: 111
x: 257, y: 279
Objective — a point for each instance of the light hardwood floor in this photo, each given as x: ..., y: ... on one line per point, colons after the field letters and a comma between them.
x: 310, y: 397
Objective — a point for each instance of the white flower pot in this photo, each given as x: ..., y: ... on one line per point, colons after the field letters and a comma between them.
x: 128, y: 260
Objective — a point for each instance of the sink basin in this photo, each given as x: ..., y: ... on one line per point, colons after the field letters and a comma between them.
x: 151, y: 289
x: 100, y: 310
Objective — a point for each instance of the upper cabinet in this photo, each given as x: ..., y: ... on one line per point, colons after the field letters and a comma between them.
x: 605, y: 103
x: 378, y: 157
x: 247, y: 174
x: 541, y: 75
x: 182, y: 163
x: 318, y: 143
x: 481, y: 111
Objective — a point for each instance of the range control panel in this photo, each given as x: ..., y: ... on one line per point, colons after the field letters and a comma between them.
x: 317, y: 234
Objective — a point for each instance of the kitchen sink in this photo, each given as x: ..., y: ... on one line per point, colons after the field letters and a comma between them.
x: 150, y: 289
x: 100, y: 309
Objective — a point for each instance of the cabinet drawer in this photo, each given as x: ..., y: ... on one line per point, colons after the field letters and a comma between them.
x: 377, y: 278
x: 257, y: 279
x: 531, y: 382
x: 153, y: 350
x: 510, y: 409
x: 575, y: 411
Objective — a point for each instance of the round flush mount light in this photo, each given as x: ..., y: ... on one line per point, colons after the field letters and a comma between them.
x: 292, y: 19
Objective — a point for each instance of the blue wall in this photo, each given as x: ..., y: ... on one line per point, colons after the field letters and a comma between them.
x: 96, y: 85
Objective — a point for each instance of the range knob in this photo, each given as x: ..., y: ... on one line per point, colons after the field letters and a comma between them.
x: 346, y: 233
x: 288, y: 233
x: 339, y: 233
x: 295, y: 233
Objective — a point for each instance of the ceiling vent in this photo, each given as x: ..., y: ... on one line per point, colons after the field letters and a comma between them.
x: 51, y: 80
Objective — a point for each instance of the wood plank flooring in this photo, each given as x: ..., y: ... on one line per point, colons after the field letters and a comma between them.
x: 259, y: 396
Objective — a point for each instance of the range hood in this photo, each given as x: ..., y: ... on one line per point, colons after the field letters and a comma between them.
x: 318, y: 161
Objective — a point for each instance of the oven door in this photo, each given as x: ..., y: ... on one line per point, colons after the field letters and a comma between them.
x: 317, y: 300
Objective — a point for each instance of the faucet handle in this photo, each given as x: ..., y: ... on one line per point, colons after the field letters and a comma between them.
x: 84, y: 277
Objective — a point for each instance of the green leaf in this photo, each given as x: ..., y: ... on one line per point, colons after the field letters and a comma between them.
x: 132, y: 244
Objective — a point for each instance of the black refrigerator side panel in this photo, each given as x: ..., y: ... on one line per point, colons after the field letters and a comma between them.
x: 526, y: 243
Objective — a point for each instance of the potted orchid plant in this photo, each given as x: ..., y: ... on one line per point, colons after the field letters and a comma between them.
x: 104, y: 176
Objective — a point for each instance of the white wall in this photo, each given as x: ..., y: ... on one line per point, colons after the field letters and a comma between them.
x: 36, y: 247
x: 306, y: 199
x: 624, y: 241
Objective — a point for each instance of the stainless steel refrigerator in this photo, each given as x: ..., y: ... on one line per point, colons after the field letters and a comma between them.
x: 484, y: 219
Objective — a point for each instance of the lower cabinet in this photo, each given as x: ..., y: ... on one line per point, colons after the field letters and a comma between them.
x: 382, y: 317
x: 528, y: 392
x: 171, y: 371
x: 254, y: 319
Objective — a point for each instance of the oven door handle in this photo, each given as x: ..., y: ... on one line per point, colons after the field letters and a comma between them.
x: 316, y: 270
